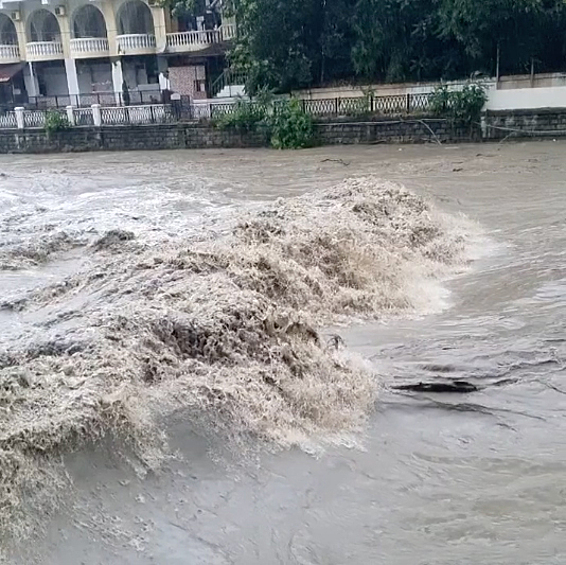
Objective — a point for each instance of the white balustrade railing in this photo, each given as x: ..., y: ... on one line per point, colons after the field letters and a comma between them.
x: 193, y: 40
x: 34, y: 118
x: 114, y: 116
x: 85, y: 45
x: 135, y: 42
x: 8, y: 121
x: 148, y: 114
x: 93, y: 116
x: 228, y: 31
x: 83, y: 117
x: 9, y: 52
x: 45, y: 49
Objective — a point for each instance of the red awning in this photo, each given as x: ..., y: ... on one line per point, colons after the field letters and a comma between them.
x: 8, y: 71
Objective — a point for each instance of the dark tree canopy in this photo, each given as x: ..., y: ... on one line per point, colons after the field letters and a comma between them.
x: 285, y: 44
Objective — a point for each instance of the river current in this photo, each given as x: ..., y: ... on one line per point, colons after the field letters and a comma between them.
x: 436, y: 479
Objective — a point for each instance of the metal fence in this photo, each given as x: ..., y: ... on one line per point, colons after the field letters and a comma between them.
x: 187, y: 110
x: 390, y: 105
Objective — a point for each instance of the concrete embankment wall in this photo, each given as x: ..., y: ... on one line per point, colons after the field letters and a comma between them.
x: 524, y: 124
x: 495, y: 126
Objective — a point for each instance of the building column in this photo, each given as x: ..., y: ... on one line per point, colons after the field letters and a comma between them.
x: 30, y: 81
x: 160, y: 27
x: 72, y: 80
x: 21, y: 31
x: 117, y: 78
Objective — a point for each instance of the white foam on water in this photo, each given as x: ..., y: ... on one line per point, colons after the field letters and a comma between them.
x: 226, y: 327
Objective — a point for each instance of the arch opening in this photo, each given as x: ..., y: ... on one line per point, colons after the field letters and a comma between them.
x: 43, y: 26
x: 134, y: 17
x: 88, y: 22
x: 8, y: 33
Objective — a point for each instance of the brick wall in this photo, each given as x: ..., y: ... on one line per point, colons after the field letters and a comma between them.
x: 184, y: 79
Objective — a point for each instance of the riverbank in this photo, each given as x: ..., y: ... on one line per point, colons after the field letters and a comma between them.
x: 495, y: 126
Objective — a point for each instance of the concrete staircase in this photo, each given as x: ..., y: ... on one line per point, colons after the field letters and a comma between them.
x: 228, y: 85
x: 232, y: 91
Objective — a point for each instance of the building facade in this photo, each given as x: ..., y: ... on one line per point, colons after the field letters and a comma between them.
x: 82, y: 52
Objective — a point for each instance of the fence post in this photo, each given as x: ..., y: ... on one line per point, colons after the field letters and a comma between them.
x: 152, y: 113
x: 96, y: 115
x: 371, y: 106
x: 20, y: 122
x: 408, y: 102
x: 70, y: 115
x: 336, y: 104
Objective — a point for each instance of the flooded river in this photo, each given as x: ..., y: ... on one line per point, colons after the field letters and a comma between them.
x: 436, y: 479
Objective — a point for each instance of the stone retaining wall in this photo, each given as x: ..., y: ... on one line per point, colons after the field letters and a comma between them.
x: 524, y: 123
x: 495, y: 126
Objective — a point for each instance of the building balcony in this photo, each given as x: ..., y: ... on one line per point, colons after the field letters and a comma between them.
x: 228, y: 31
x: 44, y: 50
x: 187, y: 41
x: 85, y: 47
x: 136, y: 44
x: 9, y: 54
x: 184, y: 41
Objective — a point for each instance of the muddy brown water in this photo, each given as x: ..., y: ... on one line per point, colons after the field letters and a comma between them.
x: 440, y: 479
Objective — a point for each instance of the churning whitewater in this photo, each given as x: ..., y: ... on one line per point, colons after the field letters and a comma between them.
x: 225, y: 326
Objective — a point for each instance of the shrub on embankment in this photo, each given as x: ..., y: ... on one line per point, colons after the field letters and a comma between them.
x: 289, y: 126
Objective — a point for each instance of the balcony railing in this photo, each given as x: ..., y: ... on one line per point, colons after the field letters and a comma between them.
x: 228, y: 31
x: 192, y: 40
x: 44, y: 50
x: 136, y: 43
x: 9, y: 54
x: 89, y: 47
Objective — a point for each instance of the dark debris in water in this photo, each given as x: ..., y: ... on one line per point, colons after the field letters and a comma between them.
x: 459, y: 387
x: 113, y: 238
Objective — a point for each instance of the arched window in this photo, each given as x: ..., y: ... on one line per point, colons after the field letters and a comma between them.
x: 43, y: 26
x: 134, y: 17
x: 8, y: 34
x: 88, y: 21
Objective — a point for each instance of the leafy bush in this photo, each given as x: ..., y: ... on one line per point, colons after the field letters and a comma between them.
x: 55, y: 121
x: 463, y: 106
x: 291, y: 127
x: 245, y: 116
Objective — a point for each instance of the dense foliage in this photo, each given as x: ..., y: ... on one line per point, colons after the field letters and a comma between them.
x: 291, y: 127
x: 244, y: 116
x: 285, y: 44
x: 288, y: 125
x: 55, y: 121
x: 463, y: 106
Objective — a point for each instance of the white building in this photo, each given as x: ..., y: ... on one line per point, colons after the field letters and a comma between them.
x: 82, y: 52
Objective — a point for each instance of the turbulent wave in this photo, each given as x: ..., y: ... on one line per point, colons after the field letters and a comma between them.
x: 227, y: 327
x: 23, y: 255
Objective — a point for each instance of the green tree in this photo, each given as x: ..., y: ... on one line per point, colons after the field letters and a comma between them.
x: 519, y: 30
x: 396, y: 40
x: 285, y: 44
